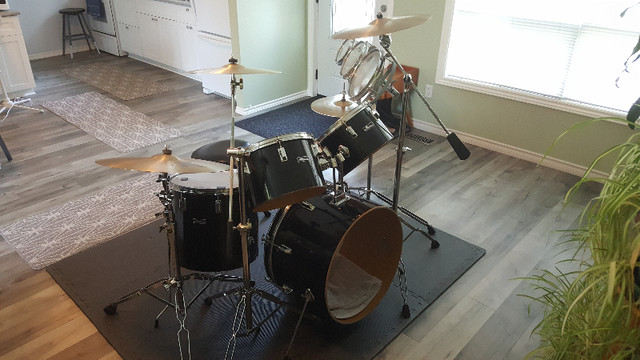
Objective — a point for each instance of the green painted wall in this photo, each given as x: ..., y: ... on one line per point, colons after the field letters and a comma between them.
x: 521, y: 125
x: 270, y: 34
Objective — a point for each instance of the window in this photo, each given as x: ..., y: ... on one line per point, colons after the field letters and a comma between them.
x: 565, y: 54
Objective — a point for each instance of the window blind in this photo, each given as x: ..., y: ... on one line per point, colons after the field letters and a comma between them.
x: 565, y: 50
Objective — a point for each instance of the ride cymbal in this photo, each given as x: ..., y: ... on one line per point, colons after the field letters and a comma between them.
x: 382, y: 26
x: 233, y: 68
x: 337, y: 105
x: 163, y: 163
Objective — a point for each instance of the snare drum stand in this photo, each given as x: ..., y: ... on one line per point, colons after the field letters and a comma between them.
x: 175, y: 279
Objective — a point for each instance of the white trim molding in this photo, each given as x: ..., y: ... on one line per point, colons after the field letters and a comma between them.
x: 509, y: 150
x: 271, y: 104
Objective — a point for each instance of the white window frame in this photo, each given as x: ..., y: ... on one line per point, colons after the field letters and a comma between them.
x: 574, y: 107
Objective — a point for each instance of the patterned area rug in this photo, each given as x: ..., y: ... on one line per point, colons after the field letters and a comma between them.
x: 112, y: 123
x: 48, y: 237
x: 124, y: 85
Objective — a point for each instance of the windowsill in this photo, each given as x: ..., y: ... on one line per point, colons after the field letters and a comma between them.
x: 532, y: 98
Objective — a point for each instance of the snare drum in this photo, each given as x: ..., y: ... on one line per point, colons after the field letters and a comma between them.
x: 201, y: 207
x: 347, y: 255
x: 283, y: 170
x: 361, y: 131
x: 353, y: 58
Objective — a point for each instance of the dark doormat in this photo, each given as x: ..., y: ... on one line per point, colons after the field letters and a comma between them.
x: 98, y: 276
x: 297, y: 117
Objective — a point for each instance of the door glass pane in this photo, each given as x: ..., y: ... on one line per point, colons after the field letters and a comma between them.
x: 347, y: 14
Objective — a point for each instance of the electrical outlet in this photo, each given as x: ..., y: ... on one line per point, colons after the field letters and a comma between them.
x: 428, y: 91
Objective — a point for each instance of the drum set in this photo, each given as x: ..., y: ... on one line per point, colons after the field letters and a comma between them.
x: 337, y: 250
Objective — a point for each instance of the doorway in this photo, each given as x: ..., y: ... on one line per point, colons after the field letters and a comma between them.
x: 333, y: 16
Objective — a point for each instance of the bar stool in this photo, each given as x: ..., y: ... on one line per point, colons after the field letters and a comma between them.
x: 66, y: 29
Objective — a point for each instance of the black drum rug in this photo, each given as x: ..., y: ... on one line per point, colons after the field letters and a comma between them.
x: 297, y: 117
x: 98, y: 276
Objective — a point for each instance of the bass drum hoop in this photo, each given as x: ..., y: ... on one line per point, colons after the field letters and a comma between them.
x: 348, y: 65
x: 374, y: 77
x: 343, y: 50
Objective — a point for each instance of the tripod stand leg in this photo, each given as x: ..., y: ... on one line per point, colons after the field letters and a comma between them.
x: 111, y: 309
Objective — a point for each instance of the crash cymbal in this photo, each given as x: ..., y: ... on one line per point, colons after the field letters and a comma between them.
x: 337, y: 105
x: 382, y: 26
x: 233, y: 68
x: 163, y: 163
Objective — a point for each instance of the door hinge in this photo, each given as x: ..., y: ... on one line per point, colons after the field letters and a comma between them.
x: 316, y: 74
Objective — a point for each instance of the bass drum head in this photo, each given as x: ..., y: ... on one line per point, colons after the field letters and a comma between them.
x: 363, y: 265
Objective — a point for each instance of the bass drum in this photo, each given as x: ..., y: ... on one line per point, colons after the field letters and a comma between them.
x: 347, y: 255
x: 201, y: 211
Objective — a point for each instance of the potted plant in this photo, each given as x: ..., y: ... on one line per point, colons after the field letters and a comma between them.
x: 592, y: 310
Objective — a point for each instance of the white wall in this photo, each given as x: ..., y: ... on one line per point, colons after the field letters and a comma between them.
x: 42, y: 25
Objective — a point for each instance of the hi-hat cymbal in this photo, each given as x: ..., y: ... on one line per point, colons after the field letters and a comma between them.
x: 233, y: 68
x: 337, y: 105
x: 382, y: 26
x: 163, y: 163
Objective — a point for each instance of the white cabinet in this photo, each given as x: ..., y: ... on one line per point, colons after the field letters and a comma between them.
x: 14, y: 60
x: 168, y: 42
x: 129, y: 36
x: 213, y: 52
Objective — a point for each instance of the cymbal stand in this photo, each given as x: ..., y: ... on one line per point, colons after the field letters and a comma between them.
x: 175, y: 279
x: 247, y: 289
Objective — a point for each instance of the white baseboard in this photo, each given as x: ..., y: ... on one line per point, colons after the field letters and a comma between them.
x: 516, y: 152
x: 76, y: 49
x: 271, y: 104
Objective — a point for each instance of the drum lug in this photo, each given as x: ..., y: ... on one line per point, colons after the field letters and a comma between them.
x: 218, y: 206
x: 284, y: 248
x: 351, y: 132
x: 307, y: 205
x: 182, y: 202
x: 283, y: 154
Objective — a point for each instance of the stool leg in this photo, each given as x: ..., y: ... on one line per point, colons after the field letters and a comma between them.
x: 64, y: 44
x: 84, y: 31
x: 70, y: 37
x: 86, y: 22
x: 5, y: 150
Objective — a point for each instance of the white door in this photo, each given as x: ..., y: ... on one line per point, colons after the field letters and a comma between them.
x: 333, y: 16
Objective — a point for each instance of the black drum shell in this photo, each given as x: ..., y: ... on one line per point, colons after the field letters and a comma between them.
x: 371, y: 132
x: 274, y: 183
x: 313, y: 237
x: 201, y: 220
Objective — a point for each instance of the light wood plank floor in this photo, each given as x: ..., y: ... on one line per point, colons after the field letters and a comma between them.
x: 507, y: 206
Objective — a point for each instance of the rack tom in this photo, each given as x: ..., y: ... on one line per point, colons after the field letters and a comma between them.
x: 361, y: 131
x: 283, y: 170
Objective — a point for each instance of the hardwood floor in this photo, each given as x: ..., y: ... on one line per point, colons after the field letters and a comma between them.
x: 508, y: 206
